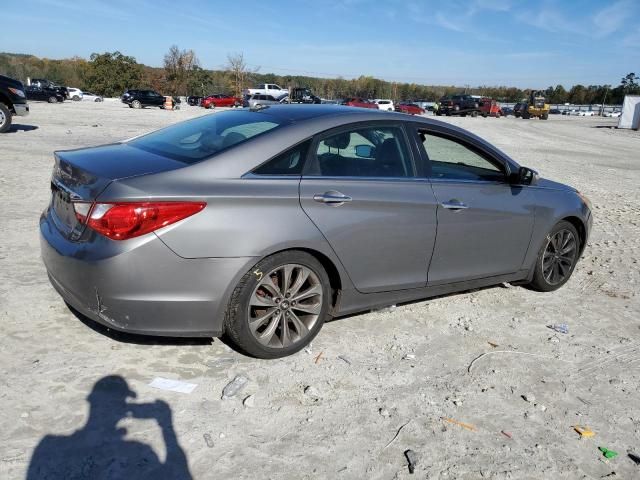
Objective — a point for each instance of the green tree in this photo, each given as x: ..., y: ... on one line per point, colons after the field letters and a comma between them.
x: 110, y: 74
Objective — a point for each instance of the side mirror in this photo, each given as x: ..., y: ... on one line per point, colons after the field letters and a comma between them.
x: 365, y: 151
x: 524, y: 176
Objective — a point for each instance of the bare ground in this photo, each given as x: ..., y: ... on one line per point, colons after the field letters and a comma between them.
x: 372, y: 373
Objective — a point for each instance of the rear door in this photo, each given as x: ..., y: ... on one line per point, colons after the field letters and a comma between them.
x: 484, y: 222
x: 361, y: 189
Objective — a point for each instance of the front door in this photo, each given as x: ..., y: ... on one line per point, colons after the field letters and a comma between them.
x: 361, y: 190
x: 484, y: 222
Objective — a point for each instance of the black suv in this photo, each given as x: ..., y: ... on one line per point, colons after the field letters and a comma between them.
x: 13, y: 101
x: 455, y: 104
x: 142, y: 98
x: 45, y: 84
x: 45, y: 94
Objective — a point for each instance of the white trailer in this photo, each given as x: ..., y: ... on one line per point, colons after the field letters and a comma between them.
x: 630, y: 116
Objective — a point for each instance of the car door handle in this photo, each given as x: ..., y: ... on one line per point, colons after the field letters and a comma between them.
x: 332, y: 198
x: 455, y: 205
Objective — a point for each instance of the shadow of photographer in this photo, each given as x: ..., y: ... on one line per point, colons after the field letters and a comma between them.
x: 99, y: 449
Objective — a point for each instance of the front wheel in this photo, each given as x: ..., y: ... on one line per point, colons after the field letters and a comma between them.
x: 5, y: 118
x: 557, y: 258
x: 279, y: 306
x: 136, y: 104
x: 52, y: 99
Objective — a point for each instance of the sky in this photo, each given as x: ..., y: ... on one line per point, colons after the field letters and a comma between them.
x: 522, y: 43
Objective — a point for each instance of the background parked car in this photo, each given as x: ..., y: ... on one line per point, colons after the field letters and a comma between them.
x: 262, y: 99
x: 44, y: 94
x: 220, y: 100
x: 615, y: 114
x: 74, y: 94
x: 142, y: 98
x: 519, y: 108
x: 91, y: 97
x: 194, y: 101
x: 454, y: 104
x: 384, y: 104
x: 47, y: 84
x: 506, y: 111
x: 586, y: 113
x: 13, y: 101
x: 359, y: 102
x: 410, y: 108
x: 268, y: 89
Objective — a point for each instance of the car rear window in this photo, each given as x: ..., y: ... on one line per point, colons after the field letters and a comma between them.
x: 203, y: 137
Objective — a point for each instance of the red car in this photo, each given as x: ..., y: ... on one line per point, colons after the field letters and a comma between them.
x: 490, y: 108
x: 359, y: 102
x: 410, y: 108
x: 221, y: 100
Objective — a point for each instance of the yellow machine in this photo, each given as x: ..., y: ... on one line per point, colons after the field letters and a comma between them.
x: 538, y: 106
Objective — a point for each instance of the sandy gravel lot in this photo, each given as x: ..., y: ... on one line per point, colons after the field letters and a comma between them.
x: 371, y: 374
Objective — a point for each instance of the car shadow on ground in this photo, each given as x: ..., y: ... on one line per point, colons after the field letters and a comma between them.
x: 100, y: 448
x: 16, y: 127
x: 135, y: 338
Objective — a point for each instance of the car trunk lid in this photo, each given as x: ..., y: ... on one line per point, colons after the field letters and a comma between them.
x: 79, y: 176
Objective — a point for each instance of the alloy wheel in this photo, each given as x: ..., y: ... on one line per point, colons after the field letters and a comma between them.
x: 285, y: 305
x: 559, y: 256
x: 3, y: 118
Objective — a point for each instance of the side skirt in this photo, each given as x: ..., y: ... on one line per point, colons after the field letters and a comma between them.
x: 352, y: 301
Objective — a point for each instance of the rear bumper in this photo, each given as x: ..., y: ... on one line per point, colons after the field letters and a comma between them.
x: 140, y: 285
x: 21, y: 109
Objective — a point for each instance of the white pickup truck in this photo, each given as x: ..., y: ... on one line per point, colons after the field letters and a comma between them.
x: 268, y: 89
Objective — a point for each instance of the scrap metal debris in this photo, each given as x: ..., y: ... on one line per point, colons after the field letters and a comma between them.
x: 412, y: 458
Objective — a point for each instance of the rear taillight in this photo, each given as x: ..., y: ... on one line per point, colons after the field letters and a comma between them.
x: 121, y: 221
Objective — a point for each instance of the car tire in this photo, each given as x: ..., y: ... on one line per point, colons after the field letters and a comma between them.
x: 75, y: 98
x: 561, y: 248
x: 136, y: 104
x: 545, y: 116
x: 52, y: 99
x: 5, y: 118
x: 474, y: 114
x: 276, y: 317
x: 97, y: 100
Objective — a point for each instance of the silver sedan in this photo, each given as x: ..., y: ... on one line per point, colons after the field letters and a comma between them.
x: 262, y: 224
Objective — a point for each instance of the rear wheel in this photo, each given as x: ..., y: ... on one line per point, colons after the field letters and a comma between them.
x: 52, y: 99
x: 5, y: 118
x: 474, y: 114
x: 279, y: 306
x: 75, y: 98
x: 545, y: 116
x: 557, y: 258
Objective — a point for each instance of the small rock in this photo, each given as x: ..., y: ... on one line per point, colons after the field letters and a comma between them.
x: 554, y: 339
x: 409, y: 356
x: 614, y: 381
x: 222, y: 435
x: 234, y: 387
x: 468, y: 328
x: 249, y: 402
x: 312, y: 392
x: 457, y: 402
x: 538, y: 445
x: 384, y: 412
x: 24, y: 415
x: 529, y: 397
x: 542, y: 408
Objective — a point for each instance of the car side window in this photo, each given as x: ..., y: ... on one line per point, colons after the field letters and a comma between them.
x: 363, y: 152
x: 449, y: 158
x: 289, y: 162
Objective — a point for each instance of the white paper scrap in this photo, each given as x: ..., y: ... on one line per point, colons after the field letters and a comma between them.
x: 173, y: 385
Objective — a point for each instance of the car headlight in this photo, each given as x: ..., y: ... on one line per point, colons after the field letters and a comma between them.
x: 584, y: 198
x: 18, y: 92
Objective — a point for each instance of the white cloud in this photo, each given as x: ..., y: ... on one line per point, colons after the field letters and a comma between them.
x: 610, y: 19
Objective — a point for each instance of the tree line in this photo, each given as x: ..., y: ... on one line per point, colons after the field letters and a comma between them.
x: 111, y: 73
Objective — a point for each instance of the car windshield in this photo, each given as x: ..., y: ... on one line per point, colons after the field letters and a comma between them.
x: 195, y: 140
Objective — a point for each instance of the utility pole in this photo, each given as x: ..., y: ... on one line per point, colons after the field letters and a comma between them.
x: 603, y: 100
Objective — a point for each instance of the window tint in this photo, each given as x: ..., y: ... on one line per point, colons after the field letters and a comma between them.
x: 450, y: 159
x: 203, y: 137
x: 363, y: 152
x: 287, y: 163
